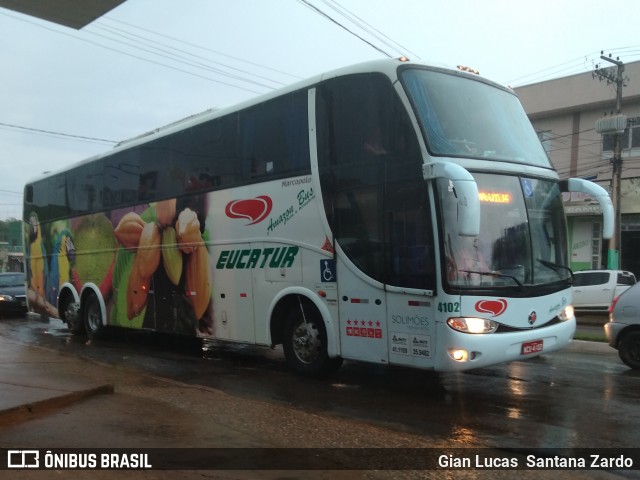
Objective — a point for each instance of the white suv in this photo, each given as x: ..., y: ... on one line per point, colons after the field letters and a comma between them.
x: 594, y: 290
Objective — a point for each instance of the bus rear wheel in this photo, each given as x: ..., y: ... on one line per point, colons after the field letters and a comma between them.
x: 71, y: 313
x: 92, y: 317
x: 305, y: 343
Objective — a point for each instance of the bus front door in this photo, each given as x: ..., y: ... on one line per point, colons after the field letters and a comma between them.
x: 362, y: 318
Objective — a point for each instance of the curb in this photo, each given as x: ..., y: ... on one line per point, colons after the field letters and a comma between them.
x: 28, y: 411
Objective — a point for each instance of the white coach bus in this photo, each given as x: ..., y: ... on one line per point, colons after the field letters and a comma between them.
x: 389, y: 212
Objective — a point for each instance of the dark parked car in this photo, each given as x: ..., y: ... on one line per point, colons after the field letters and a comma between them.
x: 623, y: 328
x: 13, y: 293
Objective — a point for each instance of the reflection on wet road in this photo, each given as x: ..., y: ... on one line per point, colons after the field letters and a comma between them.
x: 580, y: 397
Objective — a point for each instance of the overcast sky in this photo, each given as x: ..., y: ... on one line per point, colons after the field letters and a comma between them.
x: 66, y: 95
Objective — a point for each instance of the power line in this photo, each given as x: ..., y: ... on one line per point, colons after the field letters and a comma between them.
x: 573, y: 66
x: 568, y: 134
x: 137, y: 57
x: 554, y: 68
x: 331, y: 19
x: 585, y: 166
x: 183, y: 56
x: 60, y: 134
x: 170, y: 56
x: 203, y: 48
x: 367, y: 27
x: 563, y: 141
x: 171, y: 67
x: 569, y: 147
x: 590, y: 161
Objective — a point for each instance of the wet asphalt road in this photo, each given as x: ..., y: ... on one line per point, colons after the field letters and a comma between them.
x: 580, y: 397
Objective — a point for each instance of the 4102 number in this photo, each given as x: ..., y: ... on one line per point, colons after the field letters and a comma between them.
x: 449, y: 307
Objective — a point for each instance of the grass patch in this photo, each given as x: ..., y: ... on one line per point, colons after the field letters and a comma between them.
x: 590, y: 336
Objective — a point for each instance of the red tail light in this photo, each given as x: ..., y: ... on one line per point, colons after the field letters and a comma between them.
x: 613, y: 304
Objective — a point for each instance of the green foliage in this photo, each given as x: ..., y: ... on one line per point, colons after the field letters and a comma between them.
x: 590, y: 336
x: 11, y: 231
x: 4, y: 231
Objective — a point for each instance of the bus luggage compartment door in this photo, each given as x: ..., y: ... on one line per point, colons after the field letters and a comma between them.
x: 411, y: 329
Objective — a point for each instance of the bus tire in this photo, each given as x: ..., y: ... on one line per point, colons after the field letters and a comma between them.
x: 70, y: 312
x: 305, y: 343
x: 92, y: 317
x: 629, y: 349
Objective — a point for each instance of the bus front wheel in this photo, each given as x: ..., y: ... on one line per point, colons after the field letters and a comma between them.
x: 305, y: 343
x: 92, y: 317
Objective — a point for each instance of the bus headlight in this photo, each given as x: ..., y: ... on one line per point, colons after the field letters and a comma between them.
x: 472, y: 325
x: 566, y: 313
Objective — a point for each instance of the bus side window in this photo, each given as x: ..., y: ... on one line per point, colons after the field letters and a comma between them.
x: 212, y: 157
x: 274, y: 138
x: 121, y: 177
x: 85, y: 186
x: 162, y: 168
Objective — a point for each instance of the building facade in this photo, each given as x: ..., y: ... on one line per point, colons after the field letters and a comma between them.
x: 564, y: 112
x: 11, y: 256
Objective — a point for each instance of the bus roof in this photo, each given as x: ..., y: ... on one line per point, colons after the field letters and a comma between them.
x: 386, y: 66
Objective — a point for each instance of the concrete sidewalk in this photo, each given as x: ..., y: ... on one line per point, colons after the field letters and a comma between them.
x: 34, y: 381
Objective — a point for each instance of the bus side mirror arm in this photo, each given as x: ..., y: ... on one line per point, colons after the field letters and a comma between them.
x: 465, y: 189
x: 600, y: 194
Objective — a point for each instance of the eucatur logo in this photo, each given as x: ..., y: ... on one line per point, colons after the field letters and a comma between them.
x: 496, y: 307
x: 253, y: 209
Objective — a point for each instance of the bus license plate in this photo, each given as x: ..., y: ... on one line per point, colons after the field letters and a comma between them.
x: 531, y: 347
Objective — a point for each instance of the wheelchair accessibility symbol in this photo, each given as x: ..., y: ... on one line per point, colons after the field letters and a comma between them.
x: 327, y: 270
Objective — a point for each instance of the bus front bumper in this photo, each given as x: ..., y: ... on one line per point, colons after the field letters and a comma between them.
x: 462, y: 351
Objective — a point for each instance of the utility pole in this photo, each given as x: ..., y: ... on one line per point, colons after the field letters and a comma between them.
x: 614, y: 77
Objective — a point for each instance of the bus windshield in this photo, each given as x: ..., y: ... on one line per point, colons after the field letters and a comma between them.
x: 462, y: 116
x: 522, y: 238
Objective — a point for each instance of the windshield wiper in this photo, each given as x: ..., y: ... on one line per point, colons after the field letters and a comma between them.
x: 496, y: 274
x: 556, y: 266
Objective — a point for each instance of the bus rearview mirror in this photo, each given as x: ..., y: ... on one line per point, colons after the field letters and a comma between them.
x: 468, y: 208
x: 602, y: 197
x: 465, y: 189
